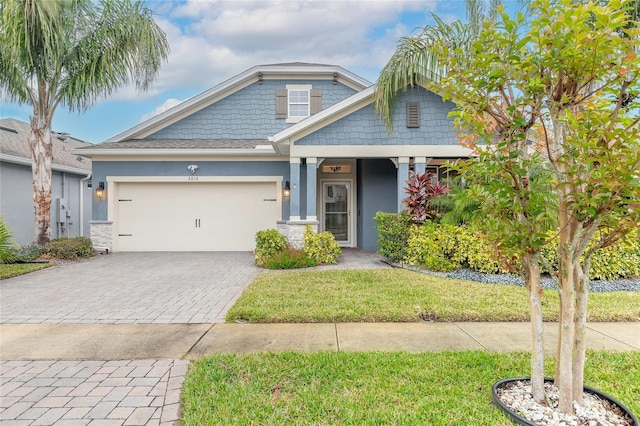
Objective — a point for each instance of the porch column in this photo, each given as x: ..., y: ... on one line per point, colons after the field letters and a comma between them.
x: 420, y: 165
x: 403, y: 176
x: 312, y: 180
x: 294, y: 176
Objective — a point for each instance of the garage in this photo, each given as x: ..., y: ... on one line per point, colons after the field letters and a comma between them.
x: 193, y: 216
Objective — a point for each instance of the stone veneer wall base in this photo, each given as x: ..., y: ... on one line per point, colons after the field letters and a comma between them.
x: 294, y: 230
x: 101, y: 234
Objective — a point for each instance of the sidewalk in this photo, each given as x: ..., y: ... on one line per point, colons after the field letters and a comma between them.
x: 189, y: 341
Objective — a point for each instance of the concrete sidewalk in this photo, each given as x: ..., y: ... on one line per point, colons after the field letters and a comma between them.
x: 189, y: 341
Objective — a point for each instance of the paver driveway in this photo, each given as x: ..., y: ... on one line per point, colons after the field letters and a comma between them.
x: 121, y: 288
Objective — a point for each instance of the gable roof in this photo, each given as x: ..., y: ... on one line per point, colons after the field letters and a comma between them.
x: 299, y: 70
x: 14, y: 148
x: 323, y: 118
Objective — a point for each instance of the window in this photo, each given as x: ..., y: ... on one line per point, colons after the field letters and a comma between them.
x: 298, y: 103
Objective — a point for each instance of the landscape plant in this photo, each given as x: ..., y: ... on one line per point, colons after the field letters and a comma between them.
x: 71, y: 54
x: 268, y: 243
x: 7, y: 252
x: 559, y: 90
x: 321, y: 247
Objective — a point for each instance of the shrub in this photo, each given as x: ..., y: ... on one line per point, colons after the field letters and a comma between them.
x: 321, y: 247
x: 393, y: 233
x: 29, y: 253
x: 289, y: 258
x: 620, y: 260
x: 450, y: 247
x: 269, y: 243
x: 69, y: 248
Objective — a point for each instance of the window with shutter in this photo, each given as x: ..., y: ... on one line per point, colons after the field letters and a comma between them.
x: 316, y: 101
x: 281, y: 103
x: 413, y: 114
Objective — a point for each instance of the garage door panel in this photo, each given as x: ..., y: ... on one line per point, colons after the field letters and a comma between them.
x: 212, y: 216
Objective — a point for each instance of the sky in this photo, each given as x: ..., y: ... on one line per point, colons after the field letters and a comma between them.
x: 213, y: 40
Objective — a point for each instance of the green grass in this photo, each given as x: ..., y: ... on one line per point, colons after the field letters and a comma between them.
x: 396, y: 295
x: 327, y: 388
x: 15, y: 269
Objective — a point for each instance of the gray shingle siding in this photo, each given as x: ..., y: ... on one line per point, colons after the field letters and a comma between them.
x: 364, y: 128
x: 249, y: 113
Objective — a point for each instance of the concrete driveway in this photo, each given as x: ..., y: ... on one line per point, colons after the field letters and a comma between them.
x: 130, y: 288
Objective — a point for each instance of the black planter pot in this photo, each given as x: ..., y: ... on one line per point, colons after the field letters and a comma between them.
x: 517, y: 419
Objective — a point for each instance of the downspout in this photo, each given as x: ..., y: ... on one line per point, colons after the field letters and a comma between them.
x: 81, y: 208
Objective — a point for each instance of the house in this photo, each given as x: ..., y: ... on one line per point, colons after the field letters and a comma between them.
x: 282, y: 145
x: 70, y: 197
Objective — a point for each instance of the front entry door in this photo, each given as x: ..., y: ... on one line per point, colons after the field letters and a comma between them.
x: 336, y: 207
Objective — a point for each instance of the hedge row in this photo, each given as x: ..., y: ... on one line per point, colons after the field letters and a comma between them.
x: 444, y: 247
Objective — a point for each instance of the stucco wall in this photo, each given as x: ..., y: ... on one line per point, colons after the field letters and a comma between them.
x: 363, y: 127
x: 102, y: 169
x: 249, y: 113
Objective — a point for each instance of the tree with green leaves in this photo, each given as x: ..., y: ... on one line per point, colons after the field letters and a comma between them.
x: 71, y: 53
x: 557, y: 90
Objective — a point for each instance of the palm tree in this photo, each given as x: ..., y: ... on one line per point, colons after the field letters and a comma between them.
x: 414, y: 61
x: 71, y: 53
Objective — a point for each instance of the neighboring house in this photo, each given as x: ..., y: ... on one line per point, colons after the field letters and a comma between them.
x: 284, y: 145
x: 70, y: 197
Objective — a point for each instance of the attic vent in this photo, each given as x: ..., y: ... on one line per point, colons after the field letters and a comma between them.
x: 413, y: 114
x: 8, y: 129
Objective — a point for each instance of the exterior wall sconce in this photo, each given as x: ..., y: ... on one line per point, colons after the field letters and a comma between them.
x: 287, y: 190
x: 100, y: 190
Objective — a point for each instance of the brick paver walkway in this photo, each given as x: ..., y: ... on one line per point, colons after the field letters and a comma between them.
x: 142, y: 392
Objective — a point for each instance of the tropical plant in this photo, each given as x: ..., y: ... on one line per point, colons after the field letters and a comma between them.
x: 71, y: 53
x: 7, y: 252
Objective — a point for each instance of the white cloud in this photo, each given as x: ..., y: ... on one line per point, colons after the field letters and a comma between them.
x: 212, y: 41
x: 168, y: 104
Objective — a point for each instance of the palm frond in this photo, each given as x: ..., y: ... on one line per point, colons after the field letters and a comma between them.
x: 415, y: 62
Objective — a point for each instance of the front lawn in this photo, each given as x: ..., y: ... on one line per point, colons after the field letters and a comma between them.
x: 15, y: 269
x: 397, y: 295
x: 327, y: 388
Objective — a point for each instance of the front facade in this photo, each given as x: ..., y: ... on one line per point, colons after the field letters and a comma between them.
x: 278, y: 146
x: 70, y: 180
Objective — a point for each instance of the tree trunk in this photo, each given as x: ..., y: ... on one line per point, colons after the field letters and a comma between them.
x: 532, y: 276
x: 564, y: 358
x: 581, y: 278
x: 41, y: 162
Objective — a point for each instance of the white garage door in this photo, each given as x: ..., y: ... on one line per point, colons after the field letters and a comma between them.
x: 195, y: 216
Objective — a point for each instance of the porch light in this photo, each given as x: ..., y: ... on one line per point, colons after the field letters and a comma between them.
x: 100, y: 190
x: 287, y: 190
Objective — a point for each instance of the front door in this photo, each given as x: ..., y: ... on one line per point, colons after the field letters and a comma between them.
x: 336, y: 208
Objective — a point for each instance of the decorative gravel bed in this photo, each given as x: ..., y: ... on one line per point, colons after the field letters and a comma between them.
x: 593, y: 412
x: 467, y: 274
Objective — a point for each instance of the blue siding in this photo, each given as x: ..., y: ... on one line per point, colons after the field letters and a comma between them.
x: 376, y: 192
x: 249, y: 113
x: 363, y: 128
x: 102, y: 169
